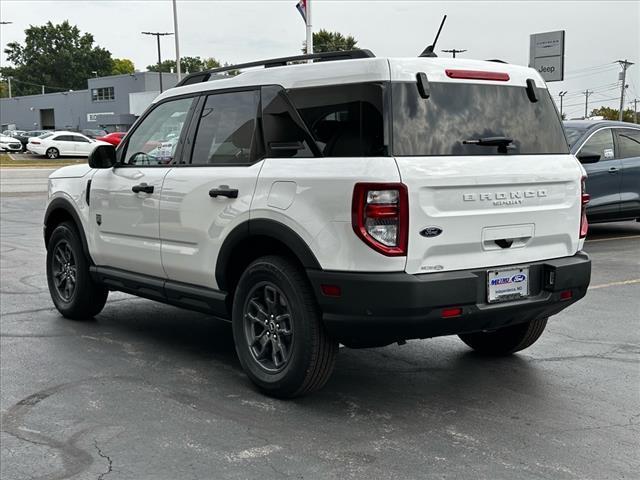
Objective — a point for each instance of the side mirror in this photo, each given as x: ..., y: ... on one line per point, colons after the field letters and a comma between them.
x: 103, y: 156
x: 588, y: 157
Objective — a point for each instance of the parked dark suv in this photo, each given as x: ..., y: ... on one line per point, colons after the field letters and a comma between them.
x: 610, y: 153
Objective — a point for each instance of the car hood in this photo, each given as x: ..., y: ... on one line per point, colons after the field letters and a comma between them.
x: 71, y: 171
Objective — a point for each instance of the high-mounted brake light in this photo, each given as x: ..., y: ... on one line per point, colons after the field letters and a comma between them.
x: 478, y: 75
x: 380, y: 216
x: 584, y: 198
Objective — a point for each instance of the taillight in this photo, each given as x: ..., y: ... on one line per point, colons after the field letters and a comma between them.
x: 584, y: 198
x: 35, y: 142
x: 380, y: 216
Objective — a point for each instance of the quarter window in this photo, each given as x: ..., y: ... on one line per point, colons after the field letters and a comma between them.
x: 345, y: 120
x: 226, y: 132
x: 600, y: 143
x: 156, y: 139
x: 629, y: 141
x: 102, y: 94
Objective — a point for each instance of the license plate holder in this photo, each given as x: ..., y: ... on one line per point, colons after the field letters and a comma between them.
x: 507, y: 284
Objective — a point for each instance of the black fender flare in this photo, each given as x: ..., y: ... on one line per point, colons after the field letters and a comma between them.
x: 64, y: 204
x: 265, y: 228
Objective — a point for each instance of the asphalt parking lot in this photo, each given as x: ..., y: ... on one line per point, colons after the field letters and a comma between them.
x: 148, y: 391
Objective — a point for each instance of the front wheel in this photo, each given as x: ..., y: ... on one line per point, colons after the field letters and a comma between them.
x: 278, y: 332
x: 53, y: 153
x: 507, y: 340
x: 73, y: 291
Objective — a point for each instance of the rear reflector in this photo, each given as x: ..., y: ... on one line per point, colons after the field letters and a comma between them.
x: 566, y: 295
x: 478, y: 75
x: 331, y: 290
x: 451, y: 312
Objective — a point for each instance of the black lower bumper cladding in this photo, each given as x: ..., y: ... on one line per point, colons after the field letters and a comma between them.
x: 375, y: 309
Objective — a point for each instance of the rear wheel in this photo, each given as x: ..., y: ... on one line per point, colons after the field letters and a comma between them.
x: 53, y: 153
x: 278, y: 332
x: 73, y: 291
x: 506, y: 341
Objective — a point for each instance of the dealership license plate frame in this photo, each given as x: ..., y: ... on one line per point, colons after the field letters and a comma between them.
x: 508, y: 291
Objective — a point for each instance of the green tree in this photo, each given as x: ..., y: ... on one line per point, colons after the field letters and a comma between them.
x: 612, y: 114
x: 187, y: 64
x: 326, y: 41
x: 57, y: 56
x: 122, y: 66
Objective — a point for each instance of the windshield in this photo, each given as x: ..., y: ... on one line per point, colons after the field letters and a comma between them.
x: 573, y: 134
x: 461, y: 112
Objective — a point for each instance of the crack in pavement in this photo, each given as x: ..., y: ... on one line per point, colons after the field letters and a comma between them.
x: 110, y: 462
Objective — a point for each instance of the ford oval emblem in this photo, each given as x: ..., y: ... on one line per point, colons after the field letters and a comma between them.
x: 431, y: 232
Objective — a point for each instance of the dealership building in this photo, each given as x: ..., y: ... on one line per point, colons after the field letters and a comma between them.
x: 112, y: 103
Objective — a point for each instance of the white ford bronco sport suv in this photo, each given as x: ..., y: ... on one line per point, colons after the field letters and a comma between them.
x: 353, y: 199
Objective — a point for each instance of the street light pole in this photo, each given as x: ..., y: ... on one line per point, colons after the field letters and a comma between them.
x: 175, y: 30
x: 561, y: 95
x: 158, y: 35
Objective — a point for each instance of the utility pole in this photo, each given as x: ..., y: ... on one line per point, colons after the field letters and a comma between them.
x: 175, y: 30
x: 586, y: 101
x: 623, y: 76
x: 42, y: 89
x: 561, y: 95
x: 635, y: 109
x: 158, y: 35
x: 453, y: 51
x: 9, y: 82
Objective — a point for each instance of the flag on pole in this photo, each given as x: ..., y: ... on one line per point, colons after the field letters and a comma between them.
x: 302, y: 8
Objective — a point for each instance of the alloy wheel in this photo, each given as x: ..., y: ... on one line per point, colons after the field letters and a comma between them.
x: 268, y: 327
x: 64, y: 270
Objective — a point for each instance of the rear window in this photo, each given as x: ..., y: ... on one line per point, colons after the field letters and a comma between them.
x: 456, y: 112
x: 46, y: 135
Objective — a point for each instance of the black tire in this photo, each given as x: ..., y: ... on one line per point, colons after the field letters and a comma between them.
x: 52, y: 153
x: 302, y: 360
x: 73, y: 291
x: 506, y: 341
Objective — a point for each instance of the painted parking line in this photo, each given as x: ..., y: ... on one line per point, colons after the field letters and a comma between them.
x: 612, y: 238
x: 615, y: 284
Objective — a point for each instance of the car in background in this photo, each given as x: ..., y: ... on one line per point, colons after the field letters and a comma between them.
x: 25, y: 136
x: 113, y: 138
x: 9, y: 144
x: 93, y: 132
x: 56, y: 144
x: 12, y: 133
x: 610, y: 153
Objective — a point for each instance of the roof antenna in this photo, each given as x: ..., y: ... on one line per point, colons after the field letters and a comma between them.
x: 428, y: 52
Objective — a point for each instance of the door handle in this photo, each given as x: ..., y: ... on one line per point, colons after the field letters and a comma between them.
x: 143, y: 187
x: 223, y: 191
x: 613, y: 169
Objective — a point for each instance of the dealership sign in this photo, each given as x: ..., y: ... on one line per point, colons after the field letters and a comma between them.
x: 546, y: 55
x: 93, y: 117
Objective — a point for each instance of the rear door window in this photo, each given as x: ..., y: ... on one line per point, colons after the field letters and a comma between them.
x: 455, y: 112
x: 227, y: 130
x: 629, y: 142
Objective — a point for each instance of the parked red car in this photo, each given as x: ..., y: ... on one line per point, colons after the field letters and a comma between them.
x: 113, y: 138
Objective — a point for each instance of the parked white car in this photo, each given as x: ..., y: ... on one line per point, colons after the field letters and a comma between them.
x: 9, y: 144
x: 54, y: 145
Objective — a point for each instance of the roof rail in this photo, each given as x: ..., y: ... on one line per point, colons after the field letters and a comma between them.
x: 206, y: 75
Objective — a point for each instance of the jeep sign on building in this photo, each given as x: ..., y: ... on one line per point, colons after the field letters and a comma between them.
x: 546, y: 55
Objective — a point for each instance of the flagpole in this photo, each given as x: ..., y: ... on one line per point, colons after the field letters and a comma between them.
x: 309, y: 32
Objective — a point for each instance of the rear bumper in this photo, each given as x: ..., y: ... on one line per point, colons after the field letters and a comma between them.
x: 382, y: 308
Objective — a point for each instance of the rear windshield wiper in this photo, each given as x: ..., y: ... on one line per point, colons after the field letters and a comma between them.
x: 501, y: 142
